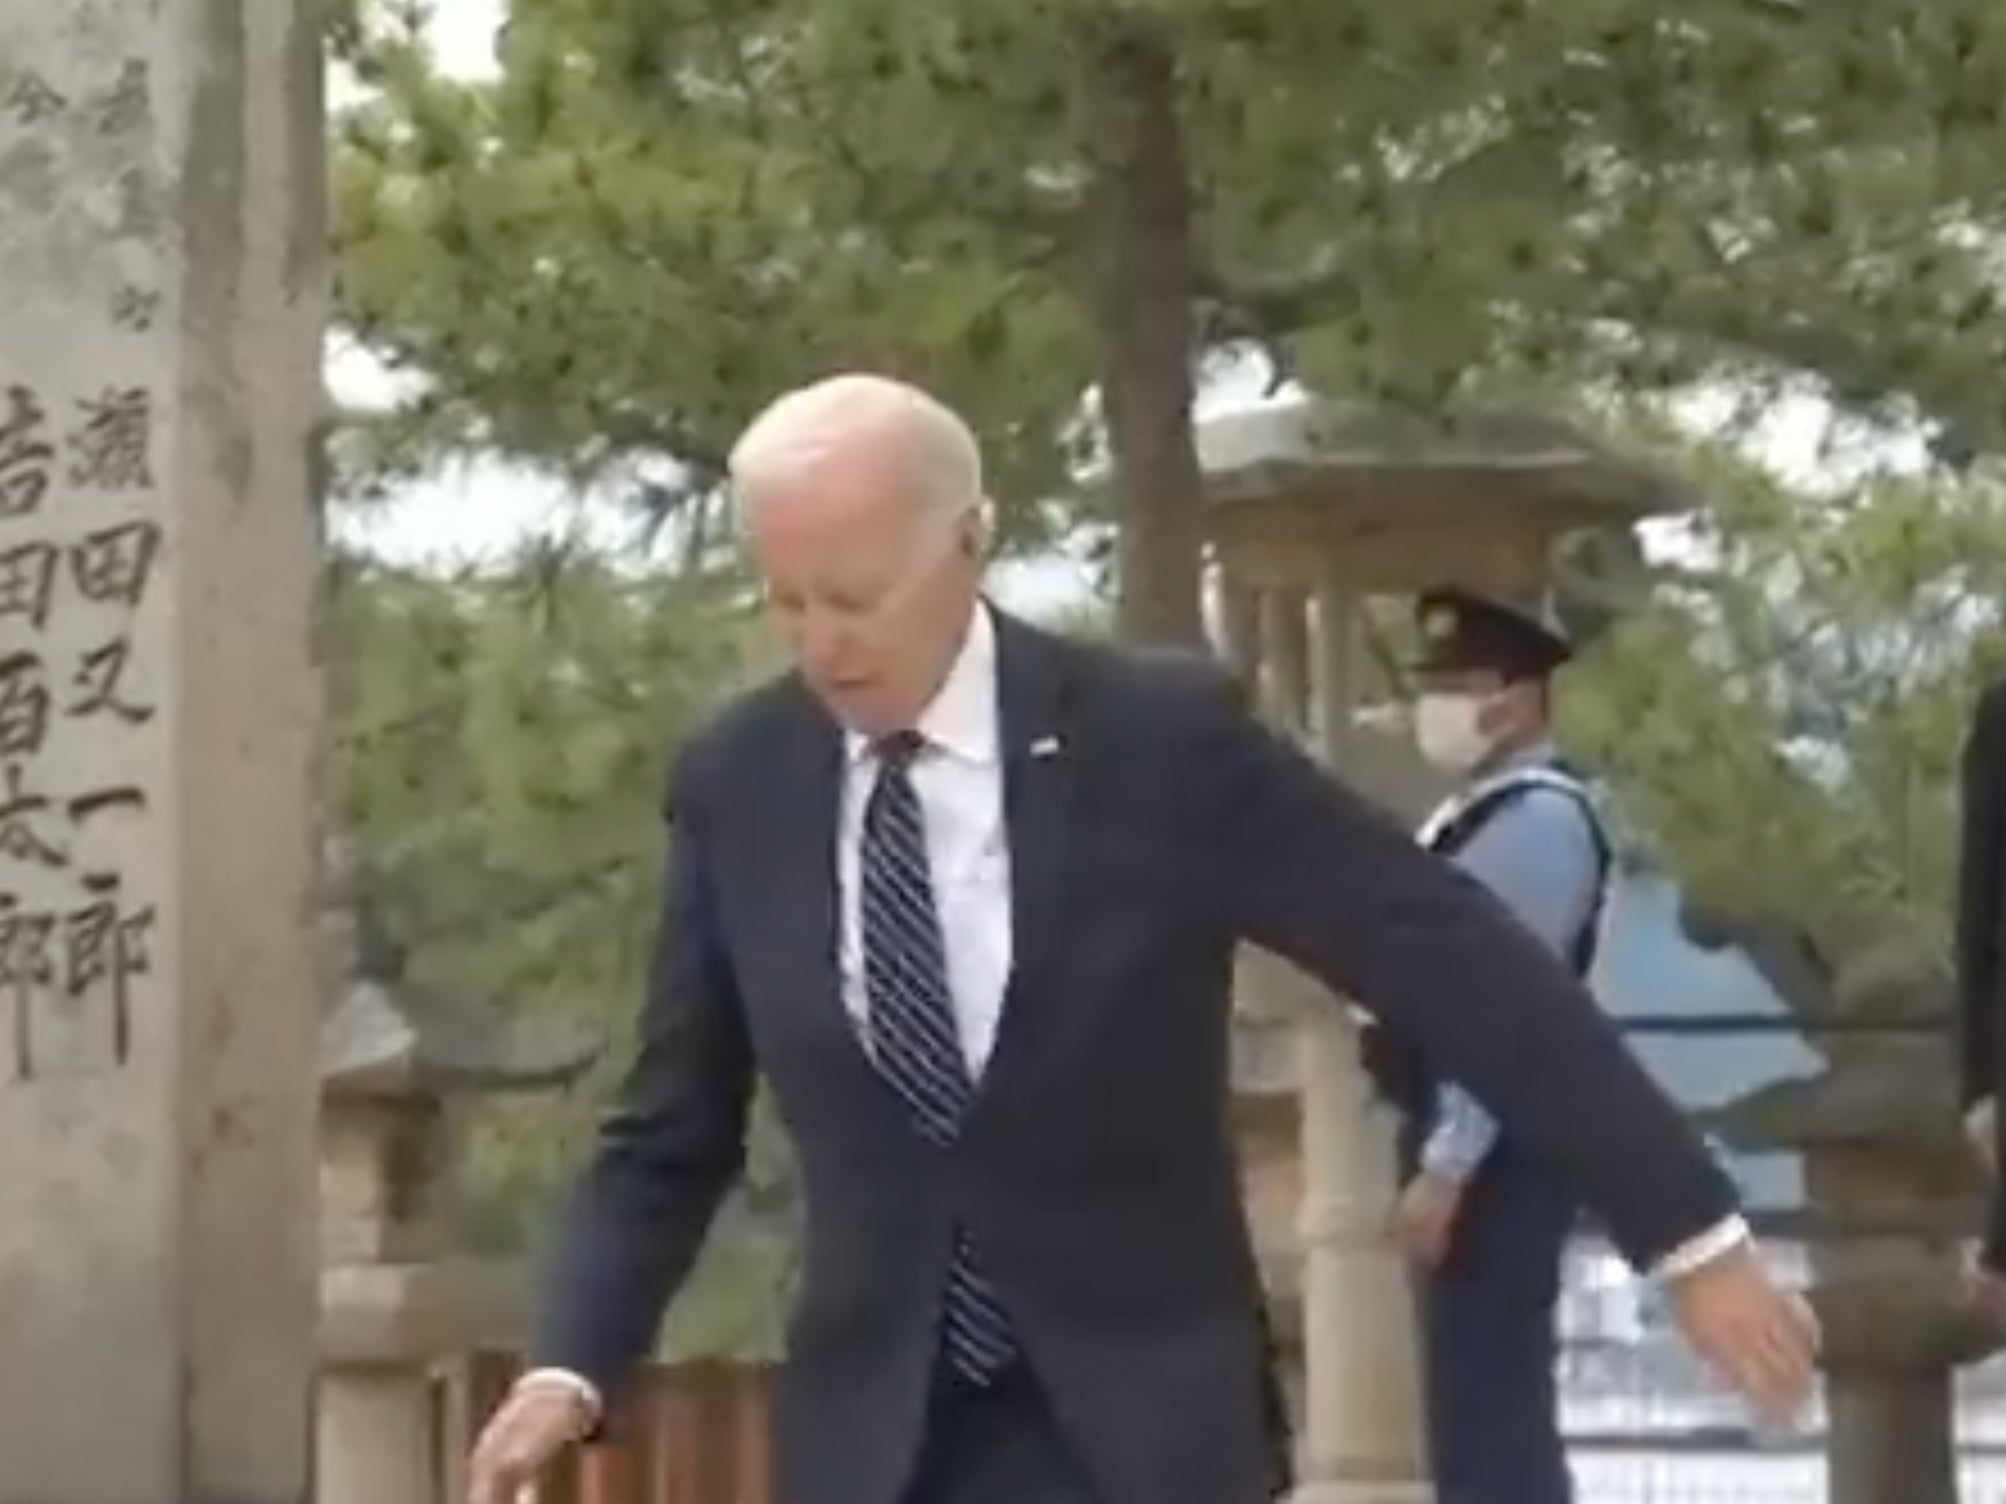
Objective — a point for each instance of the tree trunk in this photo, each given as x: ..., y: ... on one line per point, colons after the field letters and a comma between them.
x: 1891, y: 1437
x: 1142, y: 290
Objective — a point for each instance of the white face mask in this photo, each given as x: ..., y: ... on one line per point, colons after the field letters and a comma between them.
x: 1447, y: 731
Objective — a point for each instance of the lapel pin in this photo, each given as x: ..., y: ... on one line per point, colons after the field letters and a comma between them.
x: 1045, y: 746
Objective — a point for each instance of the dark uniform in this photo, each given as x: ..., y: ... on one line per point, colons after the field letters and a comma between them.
x: 1524, y: 825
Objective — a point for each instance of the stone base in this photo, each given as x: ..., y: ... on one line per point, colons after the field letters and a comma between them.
x: 376, y: 1314
x: 376, y: 1441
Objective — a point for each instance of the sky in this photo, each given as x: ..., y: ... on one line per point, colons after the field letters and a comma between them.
x: 484, y: 510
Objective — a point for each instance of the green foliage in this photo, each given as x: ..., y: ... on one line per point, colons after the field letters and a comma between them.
x: 501, y: 749
x: 665, y: 210
x: 1785, y: 718
x: 641, y: 232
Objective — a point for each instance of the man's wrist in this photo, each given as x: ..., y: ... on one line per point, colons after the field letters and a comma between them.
x: 1727, y: 1236
x: 579, y: 1389
x: 1447, y: 1169
x: 1446, y: 1157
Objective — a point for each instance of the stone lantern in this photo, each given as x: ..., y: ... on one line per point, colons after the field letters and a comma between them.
x: 1317, y: 511
x: 1893, y: 1192
x: 395, y: 1300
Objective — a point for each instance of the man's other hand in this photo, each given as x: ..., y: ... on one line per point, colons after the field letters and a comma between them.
x: 1757, y: 1336
x: 1424, y: 1218
x: 1981, y: 1129
x: 1986, y: 1290
x: 525, y: 1436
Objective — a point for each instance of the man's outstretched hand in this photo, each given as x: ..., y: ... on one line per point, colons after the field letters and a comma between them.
x: 525, y: 1436
x: 1755, y: 1334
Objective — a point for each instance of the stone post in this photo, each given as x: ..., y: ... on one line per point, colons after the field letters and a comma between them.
x: 1239, y: 624
x: 160, y: 325
x: 1362, y: 1442
x: 1286, y: 647
x: 397, y: 1302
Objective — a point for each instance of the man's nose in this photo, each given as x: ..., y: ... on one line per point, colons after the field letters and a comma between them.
x: 824, y: 646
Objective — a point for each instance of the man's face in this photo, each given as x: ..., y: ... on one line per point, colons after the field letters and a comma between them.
x: 1481, y: 685
x: 1456, y: 720
x: 871, y: 587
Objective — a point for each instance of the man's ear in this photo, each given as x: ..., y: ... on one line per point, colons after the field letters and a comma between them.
x: 1525, y: 702
x: 976, y: 532
x: 1500, y: 707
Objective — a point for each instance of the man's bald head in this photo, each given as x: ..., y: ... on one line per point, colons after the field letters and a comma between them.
x: 862, y: 504
x: 889, y: 423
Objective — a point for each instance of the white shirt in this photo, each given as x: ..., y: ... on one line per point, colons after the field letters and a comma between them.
x: 958, y: 778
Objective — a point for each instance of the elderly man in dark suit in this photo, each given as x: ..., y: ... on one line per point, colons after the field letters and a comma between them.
x: 968, y: 895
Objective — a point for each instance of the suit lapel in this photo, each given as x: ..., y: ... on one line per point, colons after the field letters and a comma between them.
x: 1039, y: 772
x: 800, y: 886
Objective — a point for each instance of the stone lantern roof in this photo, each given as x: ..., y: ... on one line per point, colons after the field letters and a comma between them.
x: 386, y: 1037
x: 1407, y: 497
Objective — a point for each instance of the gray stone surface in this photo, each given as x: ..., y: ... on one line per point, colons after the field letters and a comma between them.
x: 161, y: 271
x: 1352, y: 457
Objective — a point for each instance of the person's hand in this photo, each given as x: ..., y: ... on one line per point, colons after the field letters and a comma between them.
x: 1985, y: 1290
x: 1424, y: 1218
x: 1757, y: 1336
x: 534, y: 1424
x: 1980, y: 1128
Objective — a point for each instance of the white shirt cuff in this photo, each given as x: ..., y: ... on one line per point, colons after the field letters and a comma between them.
x: 1696, y: 1253
x: 563, y: 1378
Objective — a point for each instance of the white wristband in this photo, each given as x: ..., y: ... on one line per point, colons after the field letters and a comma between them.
x: 576, y: 1385
x: 1696, y: 1253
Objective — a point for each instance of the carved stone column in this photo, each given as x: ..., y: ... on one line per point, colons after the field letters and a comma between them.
x: 1240, y: 627
x: 1362, y: 1439
x: 161, y: 249
x: 1285, y: 645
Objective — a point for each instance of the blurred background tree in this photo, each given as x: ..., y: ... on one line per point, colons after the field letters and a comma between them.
x: 659, y: 212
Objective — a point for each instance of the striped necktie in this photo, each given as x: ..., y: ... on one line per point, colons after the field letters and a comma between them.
x: 913, y: 1033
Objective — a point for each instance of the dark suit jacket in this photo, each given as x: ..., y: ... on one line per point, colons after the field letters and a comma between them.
x: 1981, y: 914
x: 1096, y: 1170
x: 1981, y: 903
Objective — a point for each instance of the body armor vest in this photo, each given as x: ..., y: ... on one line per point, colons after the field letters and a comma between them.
x: 1397, y: 1068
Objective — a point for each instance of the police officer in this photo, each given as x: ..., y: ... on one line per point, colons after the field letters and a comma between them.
x: 1484, y: 1221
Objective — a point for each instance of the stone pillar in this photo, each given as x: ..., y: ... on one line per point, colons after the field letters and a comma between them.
x: 1240, y: 627
x: 1286, y: 647
x: 1362, y: 1438
x: 378, y: 1438
x: 160, y: 255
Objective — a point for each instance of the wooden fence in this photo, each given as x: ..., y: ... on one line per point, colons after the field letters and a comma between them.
x: 692, y: 1434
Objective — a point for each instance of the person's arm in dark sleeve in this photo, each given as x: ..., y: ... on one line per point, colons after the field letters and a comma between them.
x: 1992, y: 1249
x: 667, y: 1152
x: 1304, y: 867
x: 1980, y: 1016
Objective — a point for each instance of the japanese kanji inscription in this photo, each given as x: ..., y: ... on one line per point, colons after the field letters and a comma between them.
x: 77, y: 553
